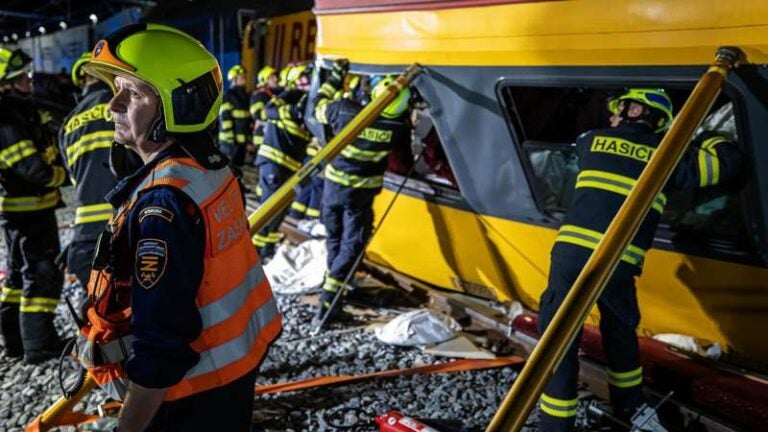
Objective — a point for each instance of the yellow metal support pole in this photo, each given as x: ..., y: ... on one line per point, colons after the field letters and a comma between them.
x: 283, y: 197
x: 49, y: 418
x: 522, y: 397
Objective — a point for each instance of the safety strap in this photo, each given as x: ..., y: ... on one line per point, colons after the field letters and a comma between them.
x: 453, y: 366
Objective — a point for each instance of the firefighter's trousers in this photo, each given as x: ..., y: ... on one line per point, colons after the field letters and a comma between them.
x: 271, y: 177
x: 33, y: 285
x: 619, y: 318
x: 349, y: 224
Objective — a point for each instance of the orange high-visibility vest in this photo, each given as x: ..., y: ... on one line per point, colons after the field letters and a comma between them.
x: 239, y: 315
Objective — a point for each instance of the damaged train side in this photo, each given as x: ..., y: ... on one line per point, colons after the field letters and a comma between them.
x: 508, y: 87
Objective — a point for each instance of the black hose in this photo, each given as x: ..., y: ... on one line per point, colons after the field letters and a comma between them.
x: 70, y: 392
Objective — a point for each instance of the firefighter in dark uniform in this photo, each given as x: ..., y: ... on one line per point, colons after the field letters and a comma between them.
x: 610, y: 162
x: 266, y: 80
x: 85, y: 140
x: 285, y: 146
x: 235, y: 124
x: 29, y: 180
x: 356, y: 176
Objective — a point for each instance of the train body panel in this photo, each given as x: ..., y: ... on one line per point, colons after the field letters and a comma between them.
x: 509, y: 87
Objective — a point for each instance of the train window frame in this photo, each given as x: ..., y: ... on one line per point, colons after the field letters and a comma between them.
x: 665, y: 237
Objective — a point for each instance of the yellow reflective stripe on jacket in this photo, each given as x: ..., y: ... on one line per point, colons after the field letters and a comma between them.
x: 89, y: 142
x: 240, y: 114
x: 13, y: 154
x: 327, y: 90
x: 615, y: 183
x: 227, y: 124
x: 256, y: 107
x: 626, y: 379
x: 353, y: 181
x: 258, y: 139
x: 321, y: 110
x: 357, y: 153
x: 29, y: 203
x: 589, y: 239
x: 279, y: 157
x: 555, y: 407
x: 58, y: 177
x: 38, y: 304
x: 227, y: 136
x: 293, y: 128
x: 10, y: 295
x: 299, y: 207
x: 226, y: 106
x: 93, y: 213
x: 313, y: 212
x: 284, y: 112
x: 709, y: 164
x: 240, y: 138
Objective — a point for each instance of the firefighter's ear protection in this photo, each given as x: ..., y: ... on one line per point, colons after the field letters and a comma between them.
x: 123, y: 161
x: 157, y: 131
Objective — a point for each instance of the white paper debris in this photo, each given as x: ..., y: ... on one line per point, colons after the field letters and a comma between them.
x: 418, y: 327
x: 296, y: 269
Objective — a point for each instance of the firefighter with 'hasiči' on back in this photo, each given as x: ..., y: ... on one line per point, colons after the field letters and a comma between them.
x: 356, y: 176
x: 85, y: 142
x: 610, y: 162
x: 30, y: 175
x: 179, y: 313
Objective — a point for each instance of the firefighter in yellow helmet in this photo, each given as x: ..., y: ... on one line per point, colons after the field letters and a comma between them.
x: 235, y: 124
x: 267, y: 82
x: 610, y: 162
x: 356, y: 176
x: 285, y: 146
x: 29, y: 179
x: 179, y: 308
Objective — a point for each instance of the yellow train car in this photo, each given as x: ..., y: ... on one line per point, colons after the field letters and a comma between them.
x: 278, y: 41
x: 508, y: 85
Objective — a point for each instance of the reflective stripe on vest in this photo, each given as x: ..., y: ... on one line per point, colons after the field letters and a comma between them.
x: 93, y: 213
x: 29, y: 203
x: 589, y: 239
x: 279, y: 157
x: 351, y: 180
x: 615, y: 183
x: 239, y: 315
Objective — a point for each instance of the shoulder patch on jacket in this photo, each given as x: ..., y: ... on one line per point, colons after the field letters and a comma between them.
x: 151, y: 259
x: 156, y: 211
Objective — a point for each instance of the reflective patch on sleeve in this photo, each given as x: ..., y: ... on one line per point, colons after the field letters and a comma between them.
x: 151, y: 259
x: 160, y: 212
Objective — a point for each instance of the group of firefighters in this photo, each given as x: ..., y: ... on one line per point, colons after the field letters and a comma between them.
x: 270, y: 124
x: 179, y: 314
